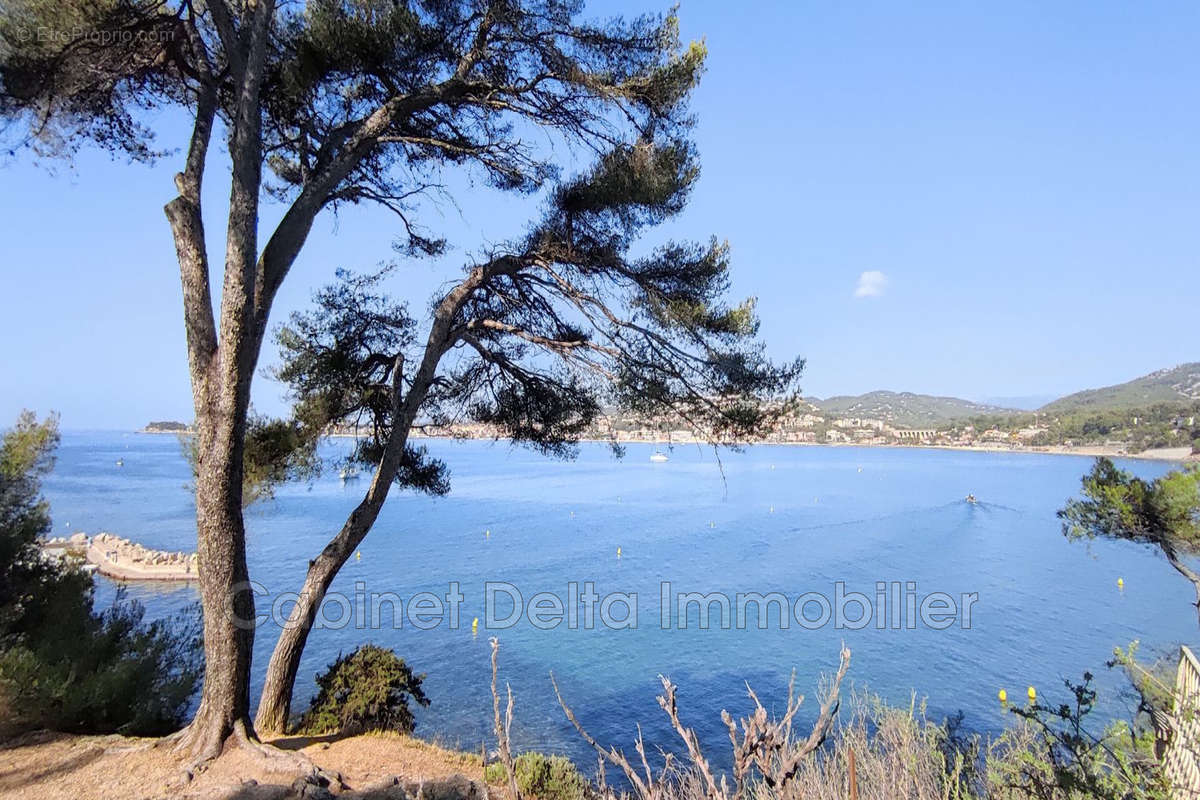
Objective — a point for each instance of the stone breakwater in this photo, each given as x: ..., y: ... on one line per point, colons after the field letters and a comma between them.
x: 121, y: 559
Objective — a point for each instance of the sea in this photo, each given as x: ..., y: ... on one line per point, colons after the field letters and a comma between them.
x: 718, y: 570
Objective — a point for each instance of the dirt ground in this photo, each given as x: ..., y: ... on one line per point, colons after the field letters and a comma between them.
x: 51, y: 765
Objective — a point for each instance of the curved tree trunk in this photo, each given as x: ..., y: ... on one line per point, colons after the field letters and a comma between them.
x: 274, y: 706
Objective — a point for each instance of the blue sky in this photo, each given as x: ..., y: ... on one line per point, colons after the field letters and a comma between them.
x: 938, y: 197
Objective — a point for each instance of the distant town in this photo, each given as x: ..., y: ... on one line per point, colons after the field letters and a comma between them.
x: 1157, y: 414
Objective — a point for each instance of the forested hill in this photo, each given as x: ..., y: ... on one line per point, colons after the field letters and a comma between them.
x: 1174, y: 386
x: 906, y: 409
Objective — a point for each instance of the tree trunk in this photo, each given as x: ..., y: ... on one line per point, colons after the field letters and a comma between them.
x: 275, y: 704
x: 224, y: 586
x: 276, y: 701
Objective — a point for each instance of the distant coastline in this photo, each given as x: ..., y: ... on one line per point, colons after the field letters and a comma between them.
x: 1179, y: 454
x: 1170, y: 454
x: 1174, y: 454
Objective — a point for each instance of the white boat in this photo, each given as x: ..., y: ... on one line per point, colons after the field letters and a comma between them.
x: 658, y: 457
x: 349, y: 474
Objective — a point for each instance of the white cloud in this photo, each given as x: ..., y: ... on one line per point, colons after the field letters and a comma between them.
x: 871, y: 284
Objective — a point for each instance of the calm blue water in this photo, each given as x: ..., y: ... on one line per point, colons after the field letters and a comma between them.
x: 787, y: 519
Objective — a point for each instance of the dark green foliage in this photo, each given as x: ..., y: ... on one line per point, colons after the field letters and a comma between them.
x: 1164, y: 512
x: 549, y: 330
x: 1067, y: 759
x: 542, y: 777
x: 276, y: 451
x: 79, y: 71
x: 367, y: 690
x: 337, y: 102
x: 570, y: 323
x: 1142, y: 427
x: 340, y: 360
x: 35, y: 594
x: 332, y: 63
x: 166, y: 425
x: 337, y: 358
x: 62, y: 665
x: 116, y: 673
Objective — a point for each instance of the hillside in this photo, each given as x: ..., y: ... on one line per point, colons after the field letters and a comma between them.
x: 1177, y: 385
x: 906, y: 409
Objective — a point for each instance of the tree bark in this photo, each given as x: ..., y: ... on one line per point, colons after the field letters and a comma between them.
x: 224, y: 590
x: 221, y: 363
x: 274, y: 706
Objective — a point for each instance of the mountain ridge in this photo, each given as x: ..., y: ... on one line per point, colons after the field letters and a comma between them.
x: 909, y: 409
x: 1178, y: 384
x: 1172, y: 385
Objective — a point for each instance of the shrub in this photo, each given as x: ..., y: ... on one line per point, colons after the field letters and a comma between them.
x: 367, y: 690
x: 122, y: 676
x: 898, y: 752
x: 542, y: 777
x: 1053, y: 753
x: 63, y: 665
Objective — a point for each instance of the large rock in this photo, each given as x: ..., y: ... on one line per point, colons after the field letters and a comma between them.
x: 455, y: 787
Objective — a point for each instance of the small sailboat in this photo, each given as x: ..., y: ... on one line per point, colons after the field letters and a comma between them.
x: 971, y: 499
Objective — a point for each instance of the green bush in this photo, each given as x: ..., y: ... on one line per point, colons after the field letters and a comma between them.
x: 63, y: 665
x: 1053, y: 752
x: 542, y: 777
x: 367, y: 690
x: 121, y: 676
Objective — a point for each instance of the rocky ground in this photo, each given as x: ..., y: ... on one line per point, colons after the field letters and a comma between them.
x: 374, y: 766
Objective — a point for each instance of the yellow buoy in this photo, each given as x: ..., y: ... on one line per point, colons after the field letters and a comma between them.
x: 1032, y: 693
x: 618, y: 552
x: 358, y: 555
x: 475, y: 626
x: 487, y: 534
x: 1003, y: 695
x: 1120, y: 583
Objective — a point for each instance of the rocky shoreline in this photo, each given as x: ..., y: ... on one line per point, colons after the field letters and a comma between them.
x: 121, y: 559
